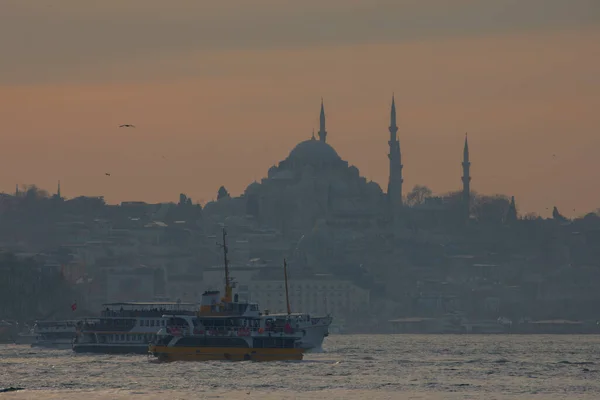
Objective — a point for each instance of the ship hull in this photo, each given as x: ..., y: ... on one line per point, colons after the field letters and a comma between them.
x: 111, y: 348
x: 313, y: 338
x: 165, y: 353
x: 25, y: 339
x: 52, y: 345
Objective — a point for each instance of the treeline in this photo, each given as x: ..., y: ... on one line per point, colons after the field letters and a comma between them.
x: 29, y: 291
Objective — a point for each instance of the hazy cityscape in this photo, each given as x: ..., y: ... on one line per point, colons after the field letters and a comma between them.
x: 268, y: 200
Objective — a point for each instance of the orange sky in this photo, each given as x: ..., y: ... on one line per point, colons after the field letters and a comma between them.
x: 224, y: 92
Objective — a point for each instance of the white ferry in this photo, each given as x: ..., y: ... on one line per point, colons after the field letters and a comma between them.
x: 125, y: 328
x: 314, y: 329
x: 54, y: 334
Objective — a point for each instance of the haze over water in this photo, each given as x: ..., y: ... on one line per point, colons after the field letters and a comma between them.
x: 352, y: 367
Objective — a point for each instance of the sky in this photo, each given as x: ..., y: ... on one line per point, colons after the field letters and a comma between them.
x: 220, y: 91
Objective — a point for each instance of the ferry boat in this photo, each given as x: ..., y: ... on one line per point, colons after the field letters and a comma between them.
x: 125, y: 328
x: 314, y: 329
x: 54, y: 334
x: 226, y: 329
x: 221, y: 337
x: 27, y: 337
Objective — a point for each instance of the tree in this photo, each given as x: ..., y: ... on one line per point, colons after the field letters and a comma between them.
x: 557, y: 215
x: 222, y: 193
x: 418, y: 195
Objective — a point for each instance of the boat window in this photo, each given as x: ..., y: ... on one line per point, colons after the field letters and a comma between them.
x: 151, y: 322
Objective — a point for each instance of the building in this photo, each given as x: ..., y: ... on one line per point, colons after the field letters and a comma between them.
x: 316, y: 294
x: 313, y: 182
x: 340, y: 298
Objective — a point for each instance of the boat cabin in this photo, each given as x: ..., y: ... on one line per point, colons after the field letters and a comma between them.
x: 123, y: 317
x: 212, y: 304
x: 145, y: 309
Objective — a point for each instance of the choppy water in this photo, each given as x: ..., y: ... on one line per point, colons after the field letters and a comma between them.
x: 352, y: 367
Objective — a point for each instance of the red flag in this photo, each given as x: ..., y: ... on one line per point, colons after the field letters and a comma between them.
x: 74, y: 306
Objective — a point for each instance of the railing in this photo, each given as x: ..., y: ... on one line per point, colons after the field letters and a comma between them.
x: 100, y: 327
x: 144, y: 313
x: 230, y: 332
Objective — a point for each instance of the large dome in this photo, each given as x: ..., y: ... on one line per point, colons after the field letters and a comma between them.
x: 313, y: 151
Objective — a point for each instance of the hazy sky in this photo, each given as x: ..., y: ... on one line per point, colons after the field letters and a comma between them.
x: 220, y: 91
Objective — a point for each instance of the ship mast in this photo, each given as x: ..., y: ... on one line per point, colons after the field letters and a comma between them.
x: 287, y: 298
x: 228, y: 289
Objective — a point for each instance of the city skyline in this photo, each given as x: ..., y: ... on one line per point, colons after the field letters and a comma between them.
x: 221, y: 108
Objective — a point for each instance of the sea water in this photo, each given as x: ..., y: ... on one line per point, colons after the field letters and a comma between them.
x: 350, y: 367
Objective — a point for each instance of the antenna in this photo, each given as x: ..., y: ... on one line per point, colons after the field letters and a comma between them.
x: 227, y: 297
x: 287, y: 298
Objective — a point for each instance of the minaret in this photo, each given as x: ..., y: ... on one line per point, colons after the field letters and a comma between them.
x: 466, y: 178
x: 17, y: 190
x: 511, y: 213
x: 58, y: 191
x: 395, y: 178
x: 322, y: 131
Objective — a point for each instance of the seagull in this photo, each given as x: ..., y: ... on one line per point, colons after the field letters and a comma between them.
x: 107, y: 173
x: 126, y: 126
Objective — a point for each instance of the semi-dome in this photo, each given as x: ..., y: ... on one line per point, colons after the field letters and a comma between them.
x: 252, y: 188
x: 313, y: 151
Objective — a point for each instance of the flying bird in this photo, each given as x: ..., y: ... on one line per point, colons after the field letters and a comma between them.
x: 126, y: 126
x: 107, y: 174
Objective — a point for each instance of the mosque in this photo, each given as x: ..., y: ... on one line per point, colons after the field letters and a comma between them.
x: 314, y: 185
